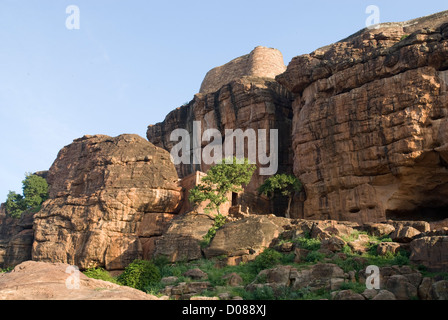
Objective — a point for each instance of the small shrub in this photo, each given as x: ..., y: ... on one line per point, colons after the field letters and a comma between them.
x: 139, y: 275
x: 354, y: 286
x: 308, y: 244
x: 100, y: 274
x: 314, y: 256
x: 267, y: 259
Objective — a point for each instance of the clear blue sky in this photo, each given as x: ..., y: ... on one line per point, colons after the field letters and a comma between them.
x: 131, y: 62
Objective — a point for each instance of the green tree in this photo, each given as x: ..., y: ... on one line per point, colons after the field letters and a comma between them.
x: 15, y: 205
x: 35, y: 192
x: 281, y: 184
x: 222, y: 179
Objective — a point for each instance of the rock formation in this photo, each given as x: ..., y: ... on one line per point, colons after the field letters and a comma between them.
x: 262, y: 62
x: 52, y: 281
x: 247, y: 99
x: 16, y: 239
x: 370, y: 123
x: 109, y: 198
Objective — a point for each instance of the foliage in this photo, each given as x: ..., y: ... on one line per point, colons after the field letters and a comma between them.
x: 354, y: 286
x: 282, y: 184
x: 267, y: 259
x: 311, y: 244
x: 220, y: 180
x: 220, y: 221
x: 35, y: 192
x: 314, y: 256
x: 15, y: 205
x: 139, y: 275
x: 100, y: 274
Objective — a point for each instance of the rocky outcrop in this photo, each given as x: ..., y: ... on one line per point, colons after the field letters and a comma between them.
x: 247, y: 103
x: 182, y: 240
x: 109, y: 197
x: 432, y: 252
x: 262, y: 62
x: 370, y: 123
x: 56, y: 281
x: 16, y: 239
x: 244, y: 239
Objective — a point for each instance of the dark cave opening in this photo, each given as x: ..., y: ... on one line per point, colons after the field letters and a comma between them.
x: 422, y: 213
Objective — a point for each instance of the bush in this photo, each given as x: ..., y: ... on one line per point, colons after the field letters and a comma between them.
x: 314, y: 256
x: 139, y: 275
x: 308, y: 244
x: 267, y: 259
x: 99, y: 274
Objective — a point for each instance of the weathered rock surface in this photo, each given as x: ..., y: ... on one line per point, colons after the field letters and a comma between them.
x: 247, y: 103
x: 246, y: 237
x: 182, y: 240
x: 56, y: 281
x: 317, y: 277
x: 16, y: 239
x: 369, y: 127
x: 108, y: 196
x: 262, y: 62
x: 432, y: 252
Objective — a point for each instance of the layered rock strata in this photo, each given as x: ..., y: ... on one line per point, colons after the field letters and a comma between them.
x: 370, y: 123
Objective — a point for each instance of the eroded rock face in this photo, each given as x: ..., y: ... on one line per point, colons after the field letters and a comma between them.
x: 247, y: 103
x: 108, y: 196
x: 16, y: 239
x: 370, y: 122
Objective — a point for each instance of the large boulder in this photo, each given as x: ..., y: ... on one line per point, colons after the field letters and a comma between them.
x: 57, y: 281
x: 432, y: 252
x: 108, y: 196
x: 182, y: 240
x: 246, y: 237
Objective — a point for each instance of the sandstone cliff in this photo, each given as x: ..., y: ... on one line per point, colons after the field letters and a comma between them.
x: 248, y: 103
x: 109, y: 198
x: 370, y: 123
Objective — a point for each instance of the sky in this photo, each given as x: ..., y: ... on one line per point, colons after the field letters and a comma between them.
x: 131, y: 62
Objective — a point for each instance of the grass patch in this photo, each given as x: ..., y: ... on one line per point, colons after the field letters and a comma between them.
x: 100, y: 274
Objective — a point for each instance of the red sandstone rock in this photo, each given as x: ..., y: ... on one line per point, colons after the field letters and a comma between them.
x: 107, y: 197
x: 370, y: 127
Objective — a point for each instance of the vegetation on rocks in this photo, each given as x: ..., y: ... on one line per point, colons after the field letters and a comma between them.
x: 259, y: 278
x: 35, y: 192
x: 220, y: 180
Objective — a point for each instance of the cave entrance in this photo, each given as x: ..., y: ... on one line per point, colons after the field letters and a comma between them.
x: 234, y: 199
x: 421, y: 213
